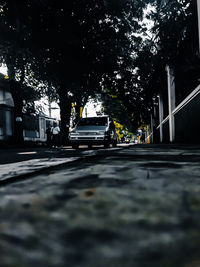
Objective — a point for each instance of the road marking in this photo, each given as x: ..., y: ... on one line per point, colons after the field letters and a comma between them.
x: 27, y: 153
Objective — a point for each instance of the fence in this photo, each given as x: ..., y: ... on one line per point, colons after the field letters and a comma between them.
x: 186, y: 118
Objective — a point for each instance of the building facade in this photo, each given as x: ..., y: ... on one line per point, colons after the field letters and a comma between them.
x: 6, y: 110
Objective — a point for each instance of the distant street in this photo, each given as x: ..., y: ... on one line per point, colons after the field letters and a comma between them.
x: 134, y: 205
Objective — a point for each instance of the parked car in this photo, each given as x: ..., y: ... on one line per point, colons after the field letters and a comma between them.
x: 94, y: 131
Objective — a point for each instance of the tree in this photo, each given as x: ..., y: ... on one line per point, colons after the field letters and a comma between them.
x: 100, y: 43
x: 175, y: 43
x: 17, y: 58
x: 76, y: 42
x: 172, y: 40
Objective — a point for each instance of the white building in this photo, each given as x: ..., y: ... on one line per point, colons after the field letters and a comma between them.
x: 6, y: 110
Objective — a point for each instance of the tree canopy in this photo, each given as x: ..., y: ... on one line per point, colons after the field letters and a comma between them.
x: 175, y: 43
x: 80, y: 48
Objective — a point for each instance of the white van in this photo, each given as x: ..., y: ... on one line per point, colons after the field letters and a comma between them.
x: 94, y: 131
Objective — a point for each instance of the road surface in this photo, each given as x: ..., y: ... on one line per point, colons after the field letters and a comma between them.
x: 138, y: 207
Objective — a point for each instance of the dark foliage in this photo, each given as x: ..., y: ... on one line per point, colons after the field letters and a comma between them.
x: 80, y: 48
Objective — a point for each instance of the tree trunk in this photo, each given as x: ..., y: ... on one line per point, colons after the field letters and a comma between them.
x: 77, y: 112
x: 65, y: 114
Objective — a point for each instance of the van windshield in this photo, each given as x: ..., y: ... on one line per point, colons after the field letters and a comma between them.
x: 95, y: 121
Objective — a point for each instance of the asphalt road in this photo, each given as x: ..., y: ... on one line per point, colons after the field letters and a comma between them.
x: 137, y: 206
x: 19, y: 163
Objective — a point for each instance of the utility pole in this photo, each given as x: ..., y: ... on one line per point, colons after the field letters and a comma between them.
x: 161, y: 116
x: 152, y: 124
x: 171, y: 101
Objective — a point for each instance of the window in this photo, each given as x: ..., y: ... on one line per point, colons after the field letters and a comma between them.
x: 31, y: 122
x: 8, y: 116
x: 1, y: 96
x: 1, y: 118
x: 94, y: 121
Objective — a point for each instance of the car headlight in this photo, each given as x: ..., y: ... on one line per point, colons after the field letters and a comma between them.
x: 101, y: 132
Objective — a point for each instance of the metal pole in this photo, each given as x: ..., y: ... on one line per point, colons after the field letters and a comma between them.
x: 171, y: 102
x: 151, y: 128
x: 160, y: 102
